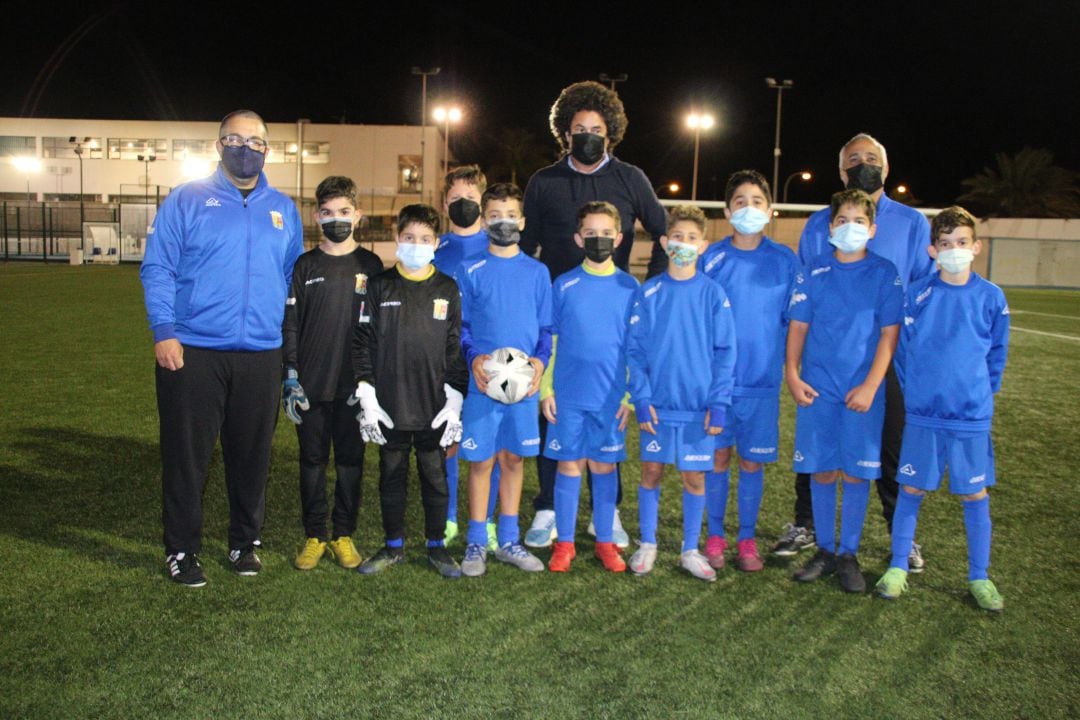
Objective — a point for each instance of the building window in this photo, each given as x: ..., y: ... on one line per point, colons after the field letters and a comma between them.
x: 132, y: 148
x: 409, y: 173
x: 194, y: 150
x: 18, y: 146
x: 62, y: 147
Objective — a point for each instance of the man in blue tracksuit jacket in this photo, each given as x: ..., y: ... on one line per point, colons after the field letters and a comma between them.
x: 216, y: 275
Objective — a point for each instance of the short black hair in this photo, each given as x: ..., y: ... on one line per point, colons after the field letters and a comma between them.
x: 858, y: 198
x: 741, y: 177
x: 472, y: 174
x: 599, y: 207
x: 948, y: 220
x: 588, y: 95
x: 420, y: 214
x: 501, y: 191
x: 337, y: 186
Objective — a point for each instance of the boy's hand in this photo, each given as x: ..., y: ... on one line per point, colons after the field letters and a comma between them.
x: 547, y: 406
x: 647, y: 426
x: 479, y: 375
x: 802, y: 393
x: 860, y: 397
x: 711, y: 429
x: 623, y: 416
x: 538, y: 375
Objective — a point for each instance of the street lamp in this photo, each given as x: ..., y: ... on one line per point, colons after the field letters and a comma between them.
x: 698, y: 122
x: 78, y: 143
x: 446, y: 116
x: 806, y: 176
x: 901, y: 189
x: 146, y: 160
x: 612, y: 79
x: 423, y: 119
x: 780, y: 87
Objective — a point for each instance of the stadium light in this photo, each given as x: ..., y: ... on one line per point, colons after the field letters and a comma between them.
x: 29, y: 166
x: 698, y: 122
x: 779, y: 87
x: 805, y: 175
x: 446, y: 116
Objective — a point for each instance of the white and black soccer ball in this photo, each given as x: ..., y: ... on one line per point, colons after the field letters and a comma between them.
x: 510, y: 373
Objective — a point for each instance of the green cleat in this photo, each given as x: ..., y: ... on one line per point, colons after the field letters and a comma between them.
x: 986, y: 595
x: 493, y: 537
x: 892, y: 584
x: 451, y: 531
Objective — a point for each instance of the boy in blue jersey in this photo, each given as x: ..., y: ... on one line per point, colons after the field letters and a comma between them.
x: 582, y: 395
x: 950, y: 361
x: 467, y: 239
x: 758, y: 276
x: 505, y: 302
x: 844, y: 321
x: 681, y: 355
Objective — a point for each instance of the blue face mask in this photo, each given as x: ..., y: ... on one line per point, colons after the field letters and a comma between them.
x: 682, y: 254
x: 749, y: 220
x: 850, y: 237
x: 415, y: 256
x: 242, y: 162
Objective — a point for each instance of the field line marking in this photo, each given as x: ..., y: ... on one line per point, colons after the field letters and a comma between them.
x: 1046, y: 334
x: 1032, y: 312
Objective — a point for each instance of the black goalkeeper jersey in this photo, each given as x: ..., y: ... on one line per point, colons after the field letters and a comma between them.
x: 323, y: 307
x: 408, y: 343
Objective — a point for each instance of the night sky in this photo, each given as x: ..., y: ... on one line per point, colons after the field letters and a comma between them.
x: 943, y: 85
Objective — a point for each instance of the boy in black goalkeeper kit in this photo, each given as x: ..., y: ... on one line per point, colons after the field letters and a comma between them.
x: 328, y: 286
x: 411, y: 384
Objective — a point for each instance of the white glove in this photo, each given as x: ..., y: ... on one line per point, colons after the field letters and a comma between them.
x: 371, y: 414
x: 451, y: 415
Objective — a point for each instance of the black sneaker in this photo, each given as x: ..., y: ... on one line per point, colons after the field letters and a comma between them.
x: 245, y: 562
x: 443, y: 563
x: 185, y: 569
x: 794, y: 539
x: 823, y: 563
x: 381, y: 560
x: 849, y: 574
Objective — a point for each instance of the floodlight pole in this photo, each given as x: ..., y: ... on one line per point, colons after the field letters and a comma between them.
x: 146, y: 160
x: 780, y: 87
x: 612, y: 79
x: 423, y: 120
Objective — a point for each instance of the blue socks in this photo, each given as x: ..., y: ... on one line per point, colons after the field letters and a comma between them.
x: 693, y: 508
x: 435, y: 544
x: 905, y: 518
x: 648, y: 513
x: 396, y: 543
x: 605, y: 489
x: 567, y: 491
x: 716, y: 497
x: 978, y: 526
x: 451, y: 487
x: 507, y: 530
x: 477, y: 533
x: 751, y: 486
x: 823, y: 499
x: 852, y: 515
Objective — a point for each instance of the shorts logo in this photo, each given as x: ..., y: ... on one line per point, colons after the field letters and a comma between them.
x: 1003, y: 312
x: 653, y: 447
x: 898, y: 281
x: 469, y: 444
x: 612, y: 448
x: 869, y: 463
x: 907, y: 470
x: 977, y: 479
x: 695, y: 458
x: 279, y: 222
x: 212, y: 202
x: 439, y: 313
x: 798, y: 456
x: 727, y: 303
x: 361, y: 284
x: 554, y: 445
x: 763, y: 451
x: 530, y: 441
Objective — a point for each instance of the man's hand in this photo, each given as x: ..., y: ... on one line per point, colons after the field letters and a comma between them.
x: 648, y: 425
x: 802, y: 393
x: 547, y: 406
x: 450, y: 415
x: 169, y: 354
x: 860, y: 397
x: 479, y: 375
x: 538, y: 375
x: 293, y: 397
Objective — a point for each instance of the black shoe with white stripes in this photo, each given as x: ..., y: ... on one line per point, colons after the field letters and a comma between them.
x: 245, y: 562
x: 184, y: 569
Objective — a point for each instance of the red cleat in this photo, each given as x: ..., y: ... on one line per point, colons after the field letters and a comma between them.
x: 561, y: 556
x: 608, y: 553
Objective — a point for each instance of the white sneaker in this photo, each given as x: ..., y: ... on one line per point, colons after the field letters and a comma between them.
x: 643, y: 559
x: 619, y: 536
x: 542, y: 533
x: 515, y: 554
x: 695, y: 563
x: 475, y: 562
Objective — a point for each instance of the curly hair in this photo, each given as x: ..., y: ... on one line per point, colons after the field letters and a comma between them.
x: 588, y: 96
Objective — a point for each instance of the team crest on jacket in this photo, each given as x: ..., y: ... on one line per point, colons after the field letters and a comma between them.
x: 361, y: 284
x: 279, y: 222
x: 441, y: 307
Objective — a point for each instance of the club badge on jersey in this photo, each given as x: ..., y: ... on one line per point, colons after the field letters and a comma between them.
x: 277, y: 219
x: 441, y: 307
x: 361, y: 284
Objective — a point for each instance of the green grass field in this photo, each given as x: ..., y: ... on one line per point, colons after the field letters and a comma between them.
x: 93, y: 629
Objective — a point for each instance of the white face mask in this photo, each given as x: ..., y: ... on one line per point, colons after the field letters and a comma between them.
x: 749, y: 220
x: 955, y: 260
x: 415, y: 256
x: 850, y: 237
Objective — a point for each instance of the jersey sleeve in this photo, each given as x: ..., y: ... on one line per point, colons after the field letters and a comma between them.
x: 457, y: 375
x: 160, y: 266
x: 296, y: 245
x: 290, y: 326
x: 800, y: 305
x: 890, y: 304
x: 544, y: 304
x: 907, y: 334
x: 810, y: 241
x: 999, y: 343
x: 365, y: 337
x: 530, y: 208
x: 921, y: 262
x: 637, y: 356
x: 793, y: 277
x: 723, y: 360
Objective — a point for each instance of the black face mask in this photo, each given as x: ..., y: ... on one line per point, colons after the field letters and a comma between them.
x: 587, y: 148
x: 337, y: 231
x: 504, y: 233
x: 242, y: 162
x: 464, y: 212
x: 865, y: 177
x: 599, y: 248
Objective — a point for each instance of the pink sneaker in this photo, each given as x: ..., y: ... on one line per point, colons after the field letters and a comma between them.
x: 748, y: 559
x: 714, y: 551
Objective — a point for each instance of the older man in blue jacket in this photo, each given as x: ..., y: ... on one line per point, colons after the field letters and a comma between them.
x: 216, y: 274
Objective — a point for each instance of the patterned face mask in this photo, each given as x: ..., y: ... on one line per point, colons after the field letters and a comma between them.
x: 682, y: 254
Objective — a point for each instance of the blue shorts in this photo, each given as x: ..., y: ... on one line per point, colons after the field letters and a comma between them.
x: 828, y: 437
x: 753, y: 427
x: 490, y: 426
x: 687, y: 445
x: 926, y: 452
x: 590, y: 434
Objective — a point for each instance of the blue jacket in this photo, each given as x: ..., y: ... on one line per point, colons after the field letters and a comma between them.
x: 218, y: 266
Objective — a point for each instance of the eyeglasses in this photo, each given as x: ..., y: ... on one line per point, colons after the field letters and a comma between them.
x: 255, y: 143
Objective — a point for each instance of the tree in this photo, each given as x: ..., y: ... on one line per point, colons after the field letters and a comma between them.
x: 518, y: 154
x: 1026, y: 184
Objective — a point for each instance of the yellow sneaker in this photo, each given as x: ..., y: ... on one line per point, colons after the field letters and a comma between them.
x: 309, y: 556
x: 345, y: 552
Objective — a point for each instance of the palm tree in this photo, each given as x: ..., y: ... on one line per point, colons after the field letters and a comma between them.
x: 1026, y: 184
x: 518, y: 154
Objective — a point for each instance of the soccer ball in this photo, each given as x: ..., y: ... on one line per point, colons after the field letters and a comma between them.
x: 510, y: 373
